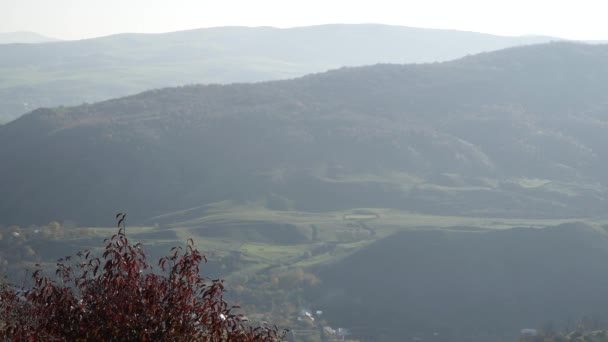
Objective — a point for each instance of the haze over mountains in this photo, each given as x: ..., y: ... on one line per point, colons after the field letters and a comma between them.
x: 384, y: 195
x: 73, y: 72
x: 24, y: 37
x: 512, y: 133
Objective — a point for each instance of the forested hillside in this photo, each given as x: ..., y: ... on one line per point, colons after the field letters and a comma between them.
x: 73, y: 72
x: 464, y: 285
x: 513, y: 133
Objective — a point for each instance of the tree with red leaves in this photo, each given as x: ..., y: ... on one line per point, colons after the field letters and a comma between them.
x: 120, y: 297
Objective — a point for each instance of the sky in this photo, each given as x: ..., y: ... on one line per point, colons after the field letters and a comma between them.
x: 78, y: 19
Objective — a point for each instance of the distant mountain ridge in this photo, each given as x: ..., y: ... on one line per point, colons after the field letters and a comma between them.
x: 515, y: 133
x: 90, y: 70
x: 24, y: 37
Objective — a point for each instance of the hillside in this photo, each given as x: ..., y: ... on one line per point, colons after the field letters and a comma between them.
x: 24, y: 38
x: 468, y: 286
x: 513, y: 133
x: 73, y: 72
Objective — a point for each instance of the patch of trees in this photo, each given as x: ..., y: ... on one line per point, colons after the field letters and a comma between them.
x: 571, y: 336
x: 22, y: 247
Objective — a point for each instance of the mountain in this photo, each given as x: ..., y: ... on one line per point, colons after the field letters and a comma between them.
x: 23, y: 37
x: 468, y: 286
x: 73, y: 72
x: 513, y: 133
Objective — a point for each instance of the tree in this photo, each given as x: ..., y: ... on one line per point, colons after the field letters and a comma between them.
x: 315, y: 232
x: 120, y: 296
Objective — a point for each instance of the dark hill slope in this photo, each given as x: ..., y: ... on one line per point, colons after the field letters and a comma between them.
x: 73, y: 72
x: 482, y: 286
x: 515, y: 132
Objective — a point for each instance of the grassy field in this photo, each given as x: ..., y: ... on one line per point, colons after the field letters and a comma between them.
x: 252, y: 232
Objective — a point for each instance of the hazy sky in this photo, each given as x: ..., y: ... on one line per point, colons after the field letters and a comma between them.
x: 72, y: 19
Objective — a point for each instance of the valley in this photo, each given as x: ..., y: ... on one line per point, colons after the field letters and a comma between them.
x: 461, y: 200
x: 289, y: 257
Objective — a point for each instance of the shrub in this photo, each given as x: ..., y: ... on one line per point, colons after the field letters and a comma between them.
x: 119, y: 296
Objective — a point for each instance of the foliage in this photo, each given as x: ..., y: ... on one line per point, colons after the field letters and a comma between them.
x: 587, y: 330
x: 574, y: 336
x: 120, y: 295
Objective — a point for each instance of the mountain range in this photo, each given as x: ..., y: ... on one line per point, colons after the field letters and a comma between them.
x: 396, y: 185
x: 24, y: 37
x: 90, y: 70
x: 514, y: 133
